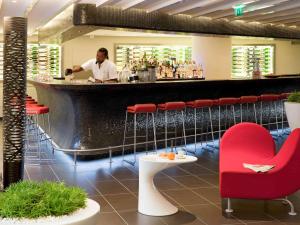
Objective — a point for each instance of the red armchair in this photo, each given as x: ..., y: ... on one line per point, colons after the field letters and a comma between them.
x: 251, y: 143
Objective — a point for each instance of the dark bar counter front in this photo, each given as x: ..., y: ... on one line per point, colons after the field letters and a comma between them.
x: 91, y: 116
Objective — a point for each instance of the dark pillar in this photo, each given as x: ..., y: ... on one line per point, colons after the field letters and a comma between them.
x: 14, y: 92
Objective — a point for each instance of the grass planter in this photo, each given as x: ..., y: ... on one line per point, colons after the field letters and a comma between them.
x: 47, y: 203
x: 292, y: 108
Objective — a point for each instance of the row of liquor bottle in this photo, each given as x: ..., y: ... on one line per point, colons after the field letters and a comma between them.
x: 128, y: 53
x: 180, y: 70
x: 151, y: 70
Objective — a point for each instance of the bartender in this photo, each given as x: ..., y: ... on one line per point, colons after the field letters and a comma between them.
x: 104, y: 70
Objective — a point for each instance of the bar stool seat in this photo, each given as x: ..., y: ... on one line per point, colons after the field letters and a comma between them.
x: 142, y: 108
x: 31, y: 102
x: 269, y: 97
x: 35, y: 109
x: 248, y: 99
x: 284, y: 96
x: 171, y: 106
x: 200, y: 103
x: 228, y: 101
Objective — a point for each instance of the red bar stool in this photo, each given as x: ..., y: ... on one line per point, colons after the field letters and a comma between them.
x: 248, y: 100
x: 201, y: 104
x: 34, y: 111
x: 135, y: 110
x: 173, y: 106
x: 271, y: 100
x: 225, y: 102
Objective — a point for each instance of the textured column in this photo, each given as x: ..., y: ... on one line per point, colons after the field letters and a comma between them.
x: 14, y: 92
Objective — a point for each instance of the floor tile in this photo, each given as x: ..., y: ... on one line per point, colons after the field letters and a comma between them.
x: 105, y: 206
x: 123, y: 201
x: 185, y: 197
x: 182, y: 217
x: 211, y: 215
x: 210, y: 178
x: 211, y: 194
x: 135, y: 218
x: 192, y: 181
x: 110, y: 219
x: 132, y: 185
x: 193, y: 168
x: 123, y: 173
x: 110, y: 187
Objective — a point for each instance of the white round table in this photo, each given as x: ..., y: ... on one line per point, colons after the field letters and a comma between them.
x: 151, y: 201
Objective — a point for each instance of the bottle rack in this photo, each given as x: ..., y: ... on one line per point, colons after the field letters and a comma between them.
x: 126, y: 53
x: 42, y: 60
x: 243, y: 58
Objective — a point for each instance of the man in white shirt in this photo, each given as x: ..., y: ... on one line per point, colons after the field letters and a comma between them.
x: 104, y: 71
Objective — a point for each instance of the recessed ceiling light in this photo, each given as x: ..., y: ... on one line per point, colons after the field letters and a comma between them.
x: 14, y: 1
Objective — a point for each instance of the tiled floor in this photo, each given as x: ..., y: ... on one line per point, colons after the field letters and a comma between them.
x: 192, y: 187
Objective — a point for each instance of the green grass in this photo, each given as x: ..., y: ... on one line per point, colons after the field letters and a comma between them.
x: 28, y: 199
x: 294, y: 97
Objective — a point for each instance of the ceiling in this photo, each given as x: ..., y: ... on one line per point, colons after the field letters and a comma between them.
x: 285, y: 12
x: 279, y: 12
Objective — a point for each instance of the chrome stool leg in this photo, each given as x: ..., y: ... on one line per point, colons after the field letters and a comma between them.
x: 233, y: 112
x: 276, y: 119
x: 124, y: 137
x: 195, y: 126
x: 147, y: 133
x: 261, y: 113
x: 254, y: 108
x: 211, y: 124
x: 183, y: 127
x: 241, y: 108
x: 166, y: 130
x: 219, y: 125
x: 154, y: 132
x: 134, y: 140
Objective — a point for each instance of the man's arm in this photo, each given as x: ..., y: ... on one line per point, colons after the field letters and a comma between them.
x: 86, y: 66
x: 77, y: 69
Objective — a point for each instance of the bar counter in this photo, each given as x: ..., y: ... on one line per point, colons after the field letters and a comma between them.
x: 88, y: 116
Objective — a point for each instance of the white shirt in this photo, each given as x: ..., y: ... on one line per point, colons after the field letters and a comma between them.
x: 106, y: 71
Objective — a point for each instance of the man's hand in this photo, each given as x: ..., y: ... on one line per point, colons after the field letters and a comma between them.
x: 98, y: 81
x: 111, y: 81
x: 68, y: 72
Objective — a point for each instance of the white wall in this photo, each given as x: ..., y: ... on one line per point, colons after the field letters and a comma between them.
x: 80, y: 49
x: 214, y: 53
x: 287, y: 55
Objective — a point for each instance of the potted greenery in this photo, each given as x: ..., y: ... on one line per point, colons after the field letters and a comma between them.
x: 292, y: 108
x: 50, y: 203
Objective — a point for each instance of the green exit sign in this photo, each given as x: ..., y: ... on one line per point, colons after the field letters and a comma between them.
x: 239, y: 9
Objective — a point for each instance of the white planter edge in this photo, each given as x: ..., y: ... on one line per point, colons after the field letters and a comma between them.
x: 85, y: 216
x: 292, y: 110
